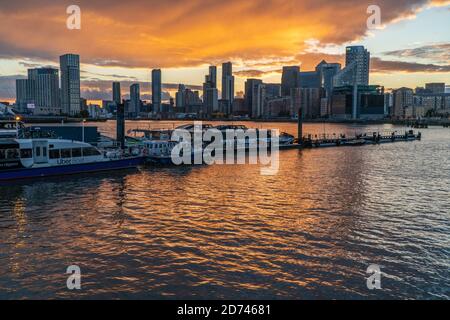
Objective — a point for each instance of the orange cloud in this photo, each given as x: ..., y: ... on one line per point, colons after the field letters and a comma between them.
x: 178, y: 33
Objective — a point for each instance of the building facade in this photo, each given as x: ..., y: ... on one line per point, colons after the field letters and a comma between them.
x: 70, y: 84
x: 156, y: 90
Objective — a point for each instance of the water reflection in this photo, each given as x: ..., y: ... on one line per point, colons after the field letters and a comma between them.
x: 228, y: 232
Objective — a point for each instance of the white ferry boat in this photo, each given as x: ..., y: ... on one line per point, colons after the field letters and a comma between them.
x: 31, y: 158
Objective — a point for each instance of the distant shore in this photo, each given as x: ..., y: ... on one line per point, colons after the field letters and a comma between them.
x: 59, y: 119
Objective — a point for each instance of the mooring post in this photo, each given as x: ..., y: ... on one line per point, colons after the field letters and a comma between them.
x: 300, y: 126
x: 120, y: 125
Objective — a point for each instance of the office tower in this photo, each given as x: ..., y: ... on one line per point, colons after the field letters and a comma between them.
x: 437, y: 88
x: 273, y: 90
x: 211, y: 101
x: 117, y: 95
x: 180, y: 96
x: 45, y: 88
x: 213, y: 76
x: 249, y: 85
x: 258, y: 100
x: 228, y: 83
x: 24, y: 94
x: 70, y: 83
x: 310, y: 79
x: 402, y: 98
x: 135, y: 100
x: 327, y: 73
x: 360, y: 57
x: 156, y: 90
x: 290, y: 79
x: 309, y: 100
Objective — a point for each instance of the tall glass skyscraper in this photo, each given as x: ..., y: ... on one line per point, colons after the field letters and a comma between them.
x: 290, y: 79
x: 117, y: 95
x: 228, y: 84
x: 135, y: 100
x: 70, y: 83
x: 156, y: 90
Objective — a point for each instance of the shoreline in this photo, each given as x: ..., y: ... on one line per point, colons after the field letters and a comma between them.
x: 438, y: 122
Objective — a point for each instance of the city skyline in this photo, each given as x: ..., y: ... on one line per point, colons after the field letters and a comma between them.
x: 405, y: 52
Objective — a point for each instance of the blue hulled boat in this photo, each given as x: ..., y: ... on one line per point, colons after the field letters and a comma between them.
x: 33, y: 158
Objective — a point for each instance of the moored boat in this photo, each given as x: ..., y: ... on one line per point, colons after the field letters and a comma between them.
x: 32, y: 158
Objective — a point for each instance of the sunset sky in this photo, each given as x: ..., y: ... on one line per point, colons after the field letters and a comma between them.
x: 124, y: 40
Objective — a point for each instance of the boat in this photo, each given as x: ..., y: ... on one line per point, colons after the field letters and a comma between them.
x: 355, y: 142
x: 23, y: 158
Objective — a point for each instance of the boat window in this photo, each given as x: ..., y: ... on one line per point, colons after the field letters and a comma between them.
x: 87, y: 152
x: 44, y: 151
x: 12, y: 154
x: 76, y: 153
x: 2, y: 154
x: 65, y: 153
x: 26, y: 153
x: 54, y: 154
x: 38, y: 151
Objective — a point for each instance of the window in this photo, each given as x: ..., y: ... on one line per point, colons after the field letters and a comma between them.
x: 76, y: 153
x: 26, y: 153
x: 12, y: 154
x: 44, y: 151
x: 38, y: 152
x: 65, y: 153
x: 54, y: 154
x: 2, y: 154
x: 88, y: 152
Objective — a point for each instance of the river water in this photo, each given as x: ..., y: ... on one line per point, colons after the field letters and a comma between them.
x: 226, y: 231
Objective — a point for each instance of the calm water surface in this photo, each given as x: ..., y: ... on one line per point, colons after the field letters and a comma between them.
x: 309, y: 232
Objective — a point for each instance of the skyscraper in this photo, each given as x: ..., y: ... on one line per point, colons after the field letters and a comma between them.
x: 290, y: 79
x: 437, y: 88
x: 249, y: 90
x: 402, y: 98
x: 156, y: 90
x: 24, y: 94
x: 228, y: 83
x: 70, y: 83
x: 258, y: 100
x: 361, y: 58
x: 45, y: 83
x: 117, y: 95
x: 135, y: 100
x: 213, y: 76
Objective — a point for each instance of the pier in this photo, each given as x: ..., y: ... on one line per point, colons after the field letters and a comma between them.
x: 338, y: 140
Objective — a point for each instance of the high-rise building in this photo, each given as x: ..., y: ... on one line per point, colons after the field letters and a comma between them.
x: 361, y: 58
x: 135, y: 101
x: 46, y: 91
x: 273, y: 90
x: 248, y: 95
x: 228, y: 83
x: 402, y: 98
x: 24, y: 94
x: 290, y: 79
x: 70, y: 83
x: 327, y: 73
x: 437, y: 88
x: 211, y: 98
x: 117, y: 95
x: 258, y: 100
x: 156, y: 90
x: 213, y: 76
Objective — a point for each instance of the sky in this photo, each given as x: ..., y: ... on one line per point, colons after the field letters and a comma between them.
x: 123, y: 40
